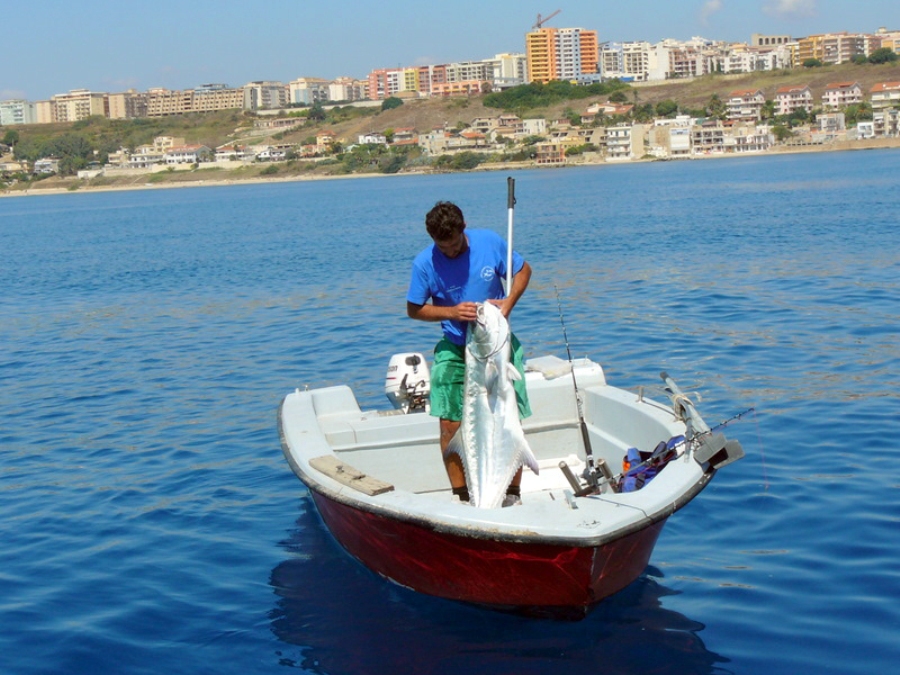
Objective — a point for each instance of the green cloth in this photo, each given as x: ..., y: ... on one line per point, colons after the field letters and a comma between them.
x: 448, y: 377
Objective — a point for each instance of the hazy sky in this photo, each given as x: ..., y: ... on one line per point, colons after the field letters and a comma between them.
x: 52, y: 46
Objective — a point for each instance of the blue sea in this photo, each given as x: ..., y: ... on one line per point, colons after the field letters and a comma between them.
x: 150, y: 524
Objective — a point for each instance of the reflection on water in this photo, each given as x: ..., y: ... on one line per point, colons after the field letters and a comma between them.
x: 344, y: 619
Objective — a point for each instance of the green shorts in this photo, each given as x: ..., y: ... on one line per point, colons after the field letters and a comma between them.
x: 448, y: 378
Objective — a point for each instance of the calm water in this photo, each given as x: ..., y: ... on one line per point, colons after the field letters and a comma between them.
x: 148, y: 520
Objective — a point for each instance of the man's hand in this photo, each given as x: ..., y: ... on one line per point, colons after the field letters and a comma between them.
x: 504, y: 306
x: 465, y: 311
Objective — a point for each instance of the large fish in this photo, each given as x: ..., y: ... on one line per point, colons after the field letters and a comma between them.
x: 490, y: 441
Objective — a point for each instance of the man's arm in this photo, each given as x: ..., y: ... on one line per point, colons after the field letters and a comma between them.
x: 464, y: 311
x: 519, y: 284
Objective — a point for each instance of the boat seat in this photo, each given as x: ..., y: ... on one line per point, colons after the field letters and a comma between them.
x: 372, y: 430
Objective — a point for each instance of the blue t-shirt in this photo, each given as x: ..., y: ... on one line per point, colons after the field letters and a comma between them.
x: 474, y: 276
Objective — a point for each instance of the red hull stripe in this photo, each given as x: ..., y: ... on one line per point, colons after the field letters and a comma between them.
x: 488, y: 571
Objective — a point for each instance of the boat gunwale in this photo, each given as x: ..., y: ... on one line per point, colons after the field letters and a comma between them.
x: 517, y: 535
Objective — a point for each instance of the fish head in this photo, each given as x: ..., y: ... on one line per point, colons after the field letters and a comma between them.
x: 488, y: 333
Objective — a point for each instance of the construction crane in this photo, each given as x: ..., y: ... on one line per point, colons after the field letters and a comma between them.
x: 542, y: 20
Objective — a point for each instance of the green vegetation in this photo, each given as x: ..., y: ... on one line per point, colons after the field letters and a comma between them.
x: 375, y: 158
x: 461, y: 161
x: 90, y: 142
x: 537, y: 95
x: 883, y: 55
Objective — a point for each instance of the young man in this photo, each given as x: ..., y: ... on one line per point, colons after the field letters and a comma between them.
x: 461, y: 268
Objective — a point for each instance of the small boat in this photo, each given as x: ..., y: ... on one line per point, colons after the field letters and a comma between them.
x: 582, y: 531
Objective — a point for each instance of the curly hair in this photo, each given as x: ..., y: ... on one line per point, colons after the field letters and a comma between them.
x: 444, y: 221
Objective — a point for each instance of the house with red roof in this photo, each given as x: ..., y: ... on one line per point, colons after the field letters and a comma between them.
x: 841, y: 94
x: 746, y: 104
x: 885, y: 95
x: 792, y: 98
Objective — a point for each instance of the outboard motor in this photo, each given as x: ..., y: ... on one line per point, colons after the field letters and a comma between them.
x: 408, y: 383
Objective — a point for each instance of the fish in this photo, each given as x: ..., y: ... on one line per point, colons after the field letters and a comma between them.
x: 490, y: 441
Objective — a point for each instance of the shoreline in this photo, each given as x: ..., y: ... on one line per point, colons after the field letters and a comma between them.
x: 840, y: 146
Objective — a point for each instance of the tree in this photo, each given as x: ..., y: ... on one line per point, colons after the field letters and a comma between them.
x: 883, y: 55
x: 643, y: 113
x: 316, y: 112
x: 781, y: 132
x: 667, y: 108
x: 11, y: 137
x: 812, y: 63
x: 391, y: 102
x: 716, y: 107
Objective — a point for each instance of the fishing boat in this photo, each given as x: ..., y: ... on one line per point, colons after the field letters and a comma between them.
x: 585, y: 527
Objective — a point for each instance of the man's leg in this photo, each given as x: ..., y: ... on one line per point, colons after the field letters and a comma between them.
x: 452, y: 461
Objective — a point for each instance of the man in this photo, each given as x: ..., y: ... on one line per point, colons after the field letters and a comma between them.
x: 462, y: 267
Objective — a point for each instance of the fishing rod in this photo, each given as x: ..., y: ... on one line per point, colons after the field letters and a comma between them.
x: 510, y: 207
x: 657, y: 457
x: 592, y: 466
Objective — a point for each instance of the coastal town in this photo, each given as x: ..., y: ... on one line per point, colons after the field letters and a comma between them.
x: 611, y: 119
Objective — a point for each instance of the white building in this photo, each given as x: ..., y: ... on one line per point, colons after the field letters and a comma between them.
x: 265, y: 95
x: 508, y: 70
x: 746, y: 104
x: 309, y: 90
x: 791, y: 98
x: 188, y: 154
x: 885, y: 95
x: 17, y: 111
x: 841, y: 94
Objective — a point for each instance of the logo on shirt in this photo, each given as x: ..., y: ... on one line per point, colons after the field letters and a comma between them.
x: 487, y: 273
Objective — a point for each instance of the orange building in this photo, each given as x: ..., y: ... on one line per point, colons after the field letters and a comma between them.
x: 561, y: 53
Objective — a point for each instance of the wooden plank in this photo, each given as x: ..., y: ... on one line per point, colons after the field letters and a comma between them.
x: 347, y: 475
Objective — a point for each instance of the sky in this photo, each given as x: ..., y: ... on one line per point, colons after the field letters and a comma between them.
x: 53, y: 46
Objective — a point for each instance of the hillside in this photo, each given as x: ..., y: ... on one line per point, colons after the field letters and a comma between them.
x: 96, y: 137
x: 426, y: 114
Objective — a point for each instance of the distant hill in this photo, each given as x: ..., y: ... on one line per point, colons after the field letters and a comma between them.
x: 214, y: 129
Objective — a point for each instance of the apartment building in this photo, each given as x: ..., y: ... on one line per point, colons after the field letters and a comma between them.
x: 17, y: 111
x: 790, y: 99
x: 78, y: 104
x: 562, y: 54
x: 746, y: 104
x: 841, y: 94
x: 886, y: 122
x: 346, y: 89
x: 210, y: 97
x: 625, y: 141
x: 627, y: 61
x: 162, y: 102
x: 836, y: 48
x: 508, y: 70
x: 383, y: 83
x: 309, y: 90
x: 265, y: 95
x: 746, y: 59
x: 885, y: 95
x: 708, y: 138
x: 127, y: 105
x: 670, y: 138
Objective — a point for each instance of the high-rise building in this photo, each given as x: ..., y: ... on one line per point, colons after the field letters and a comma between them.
x: 17, y: 111
x: 561, y: 54
x: 77, y: 105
